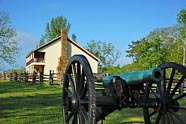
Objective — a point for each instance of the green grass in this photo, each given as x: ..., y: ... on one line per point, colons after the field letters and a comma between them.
x: 24, y: 103
x: 125, y: 116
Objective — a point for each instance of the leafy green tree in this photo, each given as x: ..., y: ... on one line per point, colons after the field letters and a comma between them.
x: 147, y: 53
x: 115, y: 70
x: 182, y: 21
x: 8, y: 45
x: 162, y: 44
x: 106, y: 52
x: 164, y: 33
x: 41, y: 42
x: 172, y: 47
x: 53, y: 29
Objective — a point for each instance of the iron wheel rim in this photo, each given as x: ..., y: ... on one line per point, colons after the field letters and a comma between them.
x: 169, y: 105
x: 79, y: 96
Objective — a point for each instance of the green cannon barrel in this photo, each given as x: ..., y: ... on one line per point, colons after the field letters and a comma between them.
x: 153, y: 74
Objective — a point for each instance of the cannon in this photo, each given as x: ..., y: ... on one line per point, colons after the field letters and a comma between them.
x: 156, y: 91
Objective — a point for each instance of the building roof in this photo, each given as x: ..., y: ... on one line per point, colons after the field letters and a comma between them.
x: 69, y: 40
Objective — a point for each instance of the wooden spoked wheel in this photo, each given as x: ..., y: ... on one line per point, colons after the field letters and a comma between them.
x: 164, y: 103
x: 79, y: 96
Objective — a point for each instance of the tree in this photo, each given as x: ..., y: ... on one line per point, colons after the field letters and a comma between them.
x: 147, y: 53
x: 53, y: 29
x: 106, y: 52
x: 171, y: 43
x: 41, y: 42
x: 182, y: 21
x: 8, y: 45
x: 162, y: 44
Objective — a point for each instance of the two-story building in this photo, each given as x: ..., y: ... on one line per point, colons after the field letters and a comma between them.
x: 55, y: 54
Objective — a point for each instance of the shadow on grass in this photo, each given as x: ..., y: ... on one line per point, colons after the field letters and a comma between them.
x: 7, y: 86
x: 125, y: 116
x: 26, y: 103
x: 22, y: 103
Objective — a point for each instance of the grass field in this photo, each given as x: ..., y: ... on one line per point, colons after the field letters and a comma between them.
x: 25, y: 103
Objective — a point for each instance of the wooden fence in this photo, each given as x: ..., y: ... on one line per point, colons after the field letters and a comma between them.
x: 51, y: 78
x: 56, y: 78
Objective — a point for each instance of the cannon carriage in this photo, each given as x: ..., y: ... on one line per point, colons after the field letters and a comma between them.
x: 155, y: 90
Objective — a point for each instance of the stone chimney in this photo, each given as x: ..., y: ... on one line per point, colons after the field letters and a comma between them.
x: 63, y: 59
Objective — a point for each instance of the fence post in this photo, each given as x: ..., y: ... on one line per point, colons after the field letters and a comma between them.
x: 181, y: 89
x: 15, y: 76
x: 50, y: 78
x: 11, y: 76
x: 4, y: 75
x: 33, y: 77
x: 21, y: 77
x: 41, y: 77
x: 0, y: 76
x: 25, y: 76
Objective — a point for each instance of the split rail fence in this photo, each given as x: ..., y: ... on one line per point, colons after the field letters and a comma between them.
x: 52, y: 78
x: 56, y: 79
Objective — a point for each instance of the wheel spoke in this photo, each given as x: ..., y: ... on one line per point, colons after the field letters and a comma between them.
x: 83, y: 102
x: 158, y: 118
x: 176, y: 116
x: 163, y: 119
x: 78, y: 75
x: 74, y: 74
x: 176, y: 87
x: 75, y: 119
x: 178, y: 97
x: 69, y: 117
x: 151, y: 114
x: 161, y: 88
x: 69, y: 92
x: 71, y: 82
x: 171, y: 120
x: 83, y: 92
x: 170, y: 82
x: 177, y: 107
x: 84, y: 114
x: 166, y: 119
x: 155, y: 94
x: 65, y: 113
x: 81, y: 119
x: 82, y: 82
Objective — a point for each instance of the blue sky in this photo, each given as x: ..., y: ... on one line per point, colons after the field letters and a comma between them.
x: 117, y: 21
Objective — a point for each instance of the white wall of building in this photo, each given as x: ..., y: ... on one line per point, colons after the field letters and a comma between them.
x: 52, y: 54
